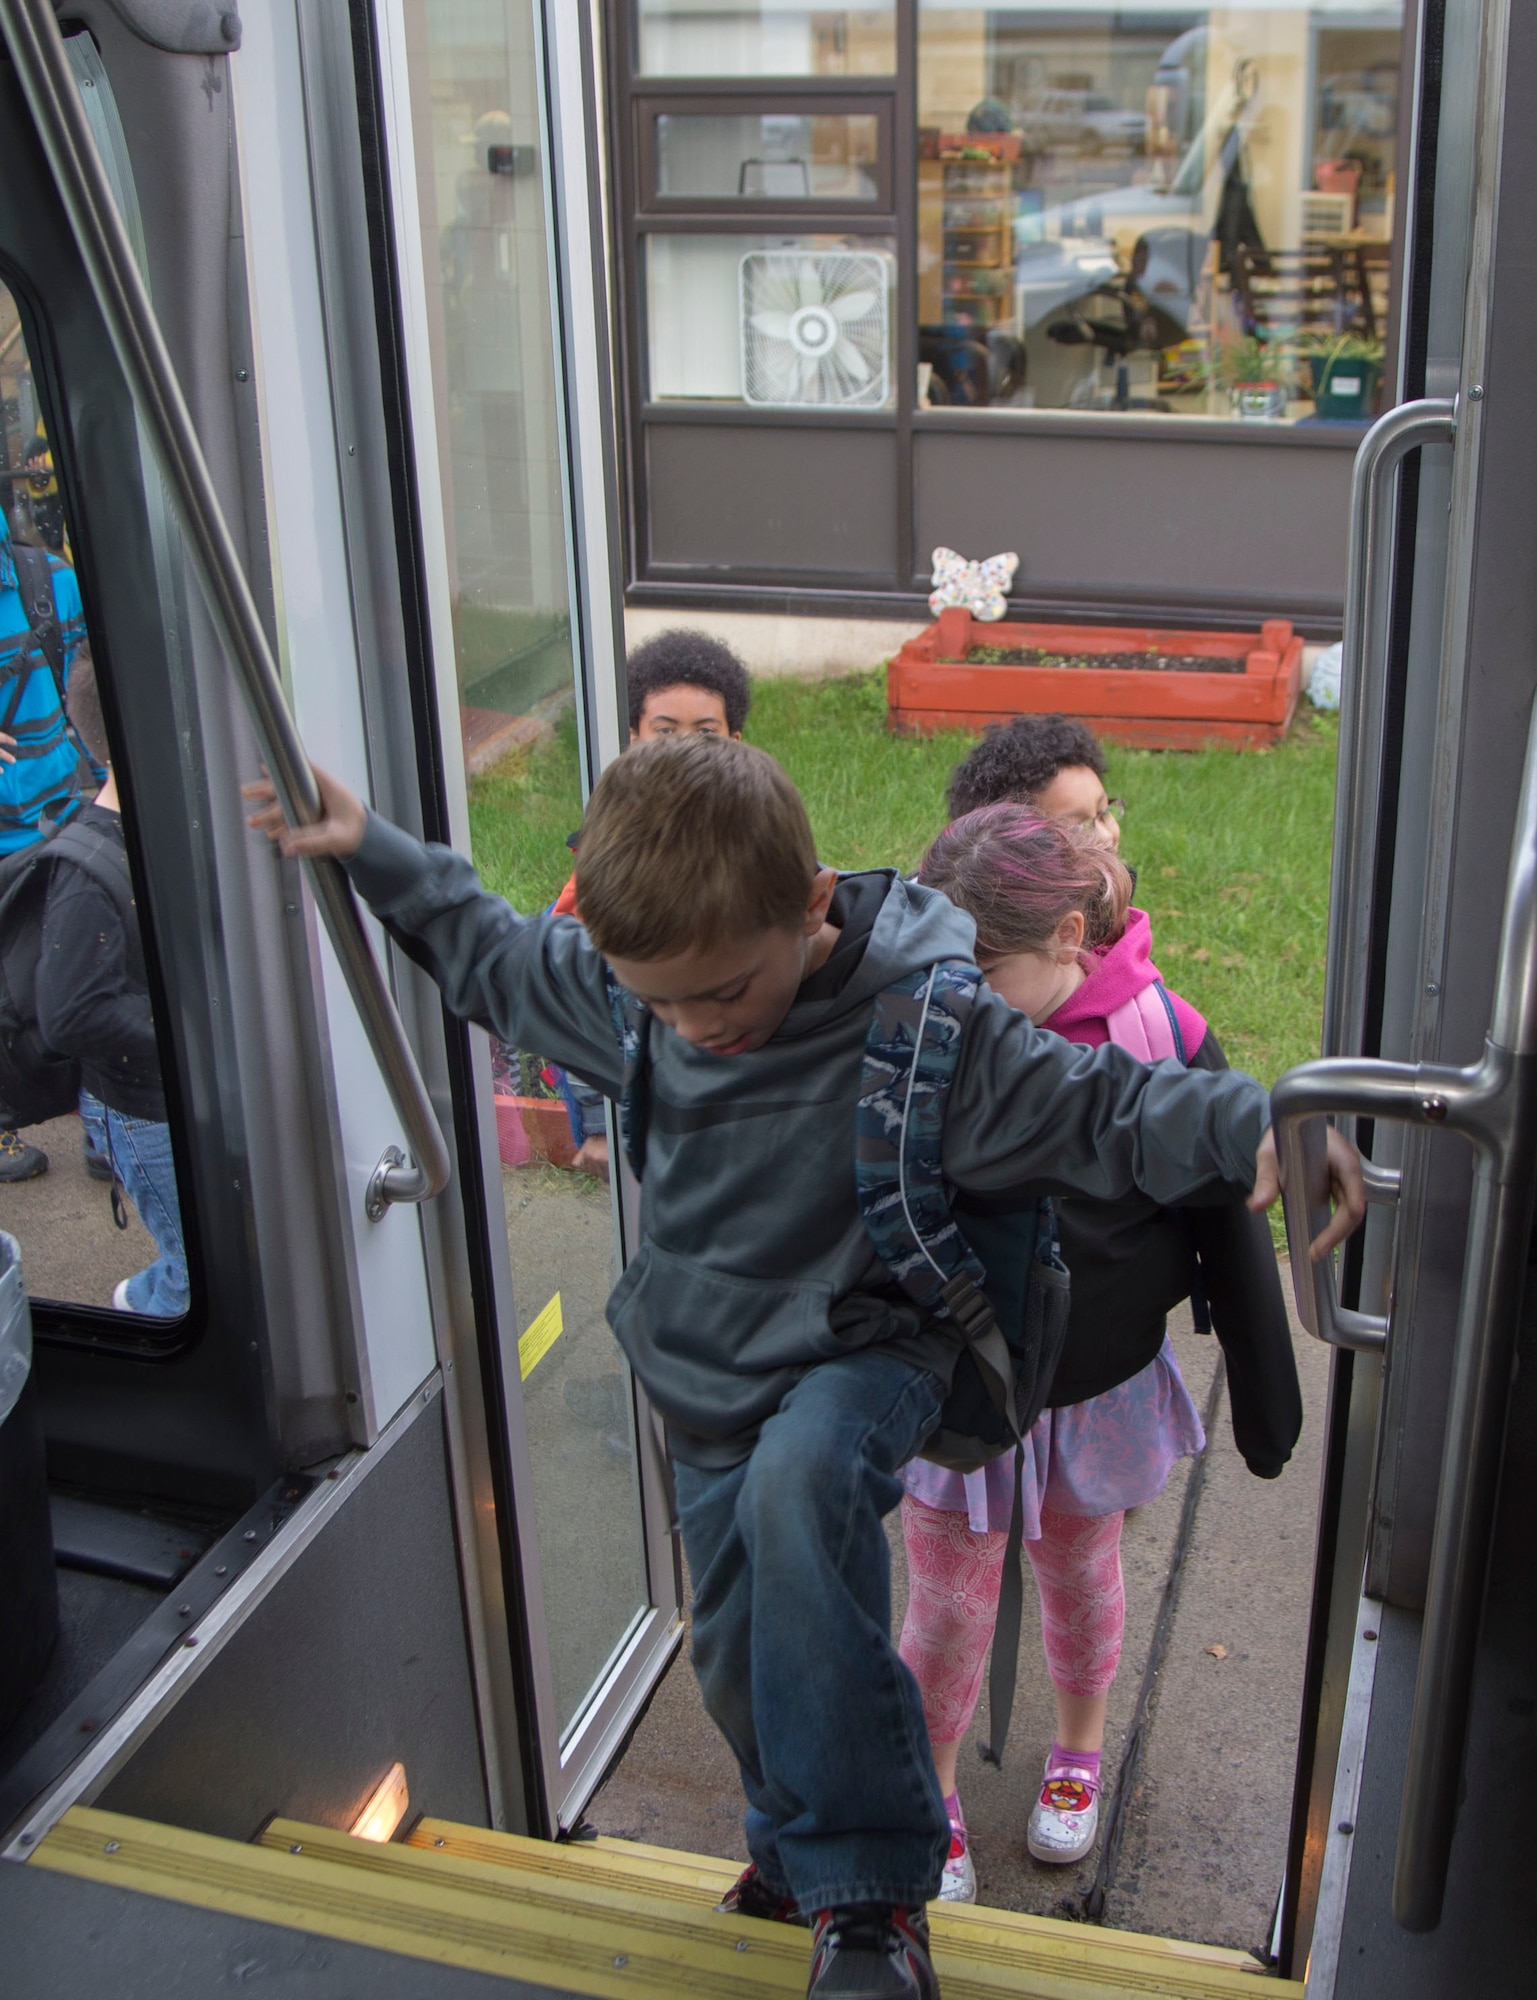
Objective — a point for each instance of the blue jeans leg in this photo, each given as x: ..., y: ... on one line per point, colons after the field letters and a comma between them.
x: 792, y: 1638
x: 140, y: 1150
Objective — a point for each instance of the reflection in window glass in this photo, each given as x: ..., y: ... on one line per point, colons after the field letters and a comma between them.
x: 474, y: 69
x: 87, y: 1178
x: 790, y: 322
x: 773, y: 157
x: 764, y: 38
x: 1188, y: 211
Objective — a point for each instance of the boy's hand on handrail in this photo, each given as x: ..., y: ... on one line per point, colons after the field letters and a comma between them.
x: 337, y: 833
x: 1346, y: 1185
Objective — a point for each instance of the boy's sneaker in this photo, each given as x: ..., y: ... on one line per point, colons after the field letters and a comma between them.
x: 959, y: 1882
x: 871, y: 1951
x: 1065, y: 1820
x: 18, y: 1160
x: 750, y: 1896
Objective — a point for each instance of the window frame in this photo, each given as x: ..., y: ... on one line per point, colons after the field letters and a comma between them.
x: 648, y: 107
x: 69, y: 1323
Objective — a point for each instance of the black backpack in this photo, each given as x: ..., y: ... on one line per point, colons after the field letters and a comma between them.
x: 36, y: 1082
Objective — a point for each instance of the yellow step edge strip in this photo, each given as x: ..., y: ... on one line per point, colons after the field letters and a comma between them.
x: 970, y: 1945
x: 580, y: 1952
x: 575, y: 1937
x: 623, y: 1863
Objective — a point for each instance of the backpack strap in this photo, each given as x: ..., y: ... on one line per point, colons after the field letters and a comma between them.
x: 34, y: 586
x: 95, y: 853
x: 1176, y: 1032
x: 1200, y: 1303
x: 1146, y: 1026
x: 632, y: 1030
x: 101, y: 857
x: 912, y: 1049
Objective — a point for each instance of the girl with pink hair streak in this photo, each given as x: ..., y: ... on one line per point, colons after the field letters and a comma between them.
x: 1057, y: 938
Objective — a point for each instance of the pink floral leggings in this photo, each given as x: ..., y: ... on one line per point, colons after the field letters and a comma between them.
x: 953, y: 1575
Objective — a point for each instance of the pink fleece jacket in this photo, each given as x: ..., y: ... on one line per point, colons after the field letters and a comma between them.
x: 1121, y: 971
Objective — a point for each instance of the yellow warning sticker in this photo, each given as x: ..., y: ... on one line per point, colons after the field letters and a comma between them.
x: 542, y: 1334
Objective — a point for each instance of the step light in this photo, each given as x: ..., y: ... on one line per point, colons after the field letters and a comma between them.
x: 386, y: 1807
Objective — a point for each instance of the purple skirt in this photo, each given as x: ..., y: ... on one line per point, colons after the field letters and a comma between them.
x: 1100, y: 1457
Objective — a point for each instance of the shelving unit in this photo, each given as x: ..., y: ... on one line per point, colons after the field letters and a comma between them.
x: 966, y: 207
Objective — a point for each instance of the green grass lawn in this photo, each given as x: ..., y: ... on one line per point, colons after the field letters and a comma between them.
x: 1231, y: 849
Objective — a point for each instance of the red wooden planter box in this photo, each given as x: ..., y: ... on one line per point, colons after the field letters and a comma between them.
x: 932, y: 685
x: 533, y: 1130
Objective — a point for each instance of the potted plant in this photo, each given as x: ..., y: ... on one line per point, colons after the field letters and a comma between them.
x: 1250, y: 371
x: 1346, y: 371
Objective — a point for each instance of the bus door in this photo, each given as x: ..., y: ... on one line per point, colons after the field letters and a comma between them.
x: 1410, y: 1835
x: 235, y: 1370
x: 482, y: 288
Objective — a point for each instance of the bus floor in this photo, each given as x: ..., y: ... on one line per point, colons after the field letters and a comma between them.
x: 1206, y: 1814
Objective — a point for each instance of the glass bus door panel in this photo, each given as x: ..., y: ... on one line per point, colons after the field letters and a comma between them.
x: 496, y: 383
x: 88, y: 1178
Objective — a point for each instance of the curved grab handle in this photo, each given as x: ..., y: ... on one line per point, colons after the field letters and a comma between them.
x: 1432, y: 420
x: 32, y: 36
x: 1345, y: 1087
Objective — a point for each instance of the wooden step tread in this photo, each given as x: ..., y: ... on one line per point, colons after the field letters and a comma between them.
x: 622, y: 1863
x: 611, y: 1923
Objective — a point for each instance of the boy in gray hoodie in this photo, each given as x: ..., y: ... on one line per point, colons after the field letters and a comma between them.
x: 794, y: 1377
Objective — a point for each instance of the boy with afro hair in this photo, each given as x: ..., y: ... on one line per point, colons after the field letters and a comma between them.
x: 1047, y: 762
x: 684, y: 683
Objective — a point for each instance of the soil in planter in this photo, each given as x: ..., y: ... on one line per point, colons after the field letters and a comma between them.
x: 1157, y: 663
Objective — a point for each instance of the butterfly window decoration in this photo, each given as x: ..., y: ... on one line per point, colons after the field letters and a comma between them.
x: 982, y: 588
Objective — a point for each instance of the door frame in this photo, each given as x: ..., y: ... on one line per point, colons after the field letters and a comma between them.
x: 558, y: 1776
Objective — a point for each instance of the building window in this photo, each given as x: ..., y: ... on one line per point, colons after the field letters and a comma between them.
x: 1173, y: 212
x: 774, y: 321
x: 793, y: 156
x: 752, y: 38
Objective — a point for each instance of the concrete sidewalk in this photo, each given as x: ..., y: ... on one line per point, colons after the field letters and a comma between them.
x: 1205, y: 1838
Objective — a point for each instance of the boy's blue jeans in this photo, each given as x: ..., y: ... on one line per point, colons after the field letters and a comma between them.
x: 140, y: 1152
x: 792, y: 1638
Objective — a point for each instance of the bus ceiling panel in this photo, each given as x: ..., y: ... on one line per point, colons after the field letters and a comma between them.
x: 271, y: 1371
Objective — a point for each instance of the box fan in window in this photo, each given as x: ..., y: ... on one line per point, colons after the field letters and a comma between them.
x: 815, y: 328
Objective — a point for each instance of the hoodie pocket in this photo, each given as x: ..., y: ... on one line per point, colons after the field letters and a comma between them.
x: 716, y: 1352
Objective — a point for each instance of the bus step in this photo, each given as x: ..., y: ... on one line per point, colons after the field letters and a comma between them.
x: 605, y: 1919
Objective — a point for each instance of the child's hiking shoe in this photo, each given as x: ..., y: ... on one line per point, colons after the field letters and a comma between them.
x: 750, y: 1896
x: 959, y: 1882
x: 871, y: 1951
x: 18, y: 1160
x: 1065, y: 1819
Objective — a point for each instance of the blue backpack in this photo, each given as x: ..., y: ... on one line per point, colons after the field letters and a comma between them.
x: 990, y: 1268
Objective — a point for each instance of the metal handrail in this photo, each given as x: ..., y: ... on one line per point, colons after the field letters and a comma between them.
x: 1494, y: 1105
x: 42, y: 65
x: 1363, y: 691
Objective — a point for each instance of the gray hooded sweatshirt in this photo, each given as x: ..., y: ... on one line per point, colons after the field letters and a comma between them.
x: 754, y: 1262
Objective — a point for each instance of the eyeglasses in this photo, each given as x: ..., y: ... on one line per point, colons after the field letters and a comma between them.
x: 1111, y: 809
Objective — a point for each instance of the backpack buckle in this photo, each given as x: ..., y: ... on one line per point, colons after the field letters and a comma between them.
x: 967, y: 1305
